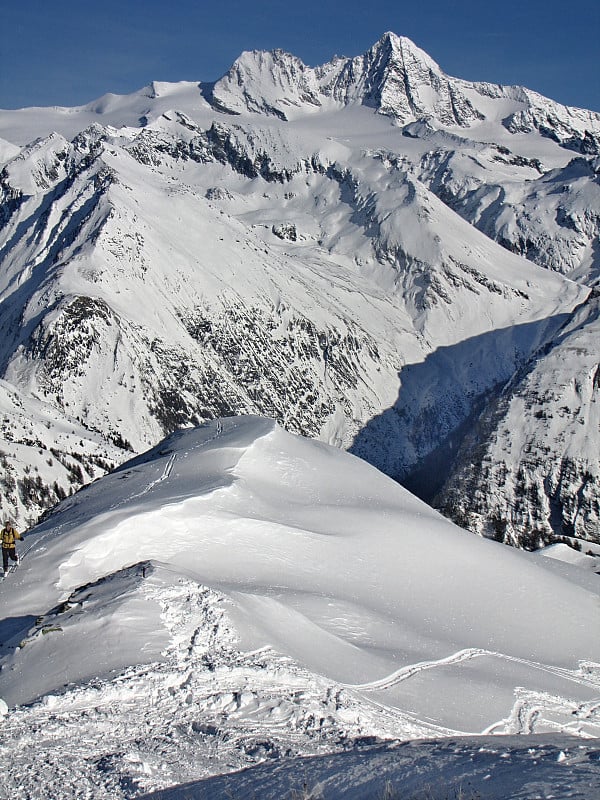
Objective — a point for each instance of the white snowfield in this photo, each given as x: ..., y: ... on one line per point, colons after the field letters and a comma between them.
x: 240, y: 593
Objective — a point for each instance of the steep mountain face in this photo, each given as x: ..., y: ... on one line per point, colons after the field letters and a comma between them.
x: 348, y: 249
x: 394, y: 77
x: 529, y: 469
x: 224, y: 321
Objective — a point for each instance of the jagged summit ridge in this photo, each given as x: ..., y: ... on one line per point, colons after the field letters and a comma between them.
x: 395, y: 77
x: 402, y: 82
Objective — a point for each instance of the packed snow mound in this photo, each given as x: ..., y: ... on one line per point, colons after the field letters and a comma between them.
x: 323, y: 558
x: 240, y: 593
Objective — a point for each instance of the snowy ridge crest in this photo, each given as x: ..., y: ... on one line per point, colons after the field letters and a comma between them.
x: 400, y: 81
x: 301, y: 604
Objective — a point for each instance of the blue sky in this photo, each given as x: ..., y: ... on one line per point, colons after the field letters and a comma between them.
x: 68, y: 52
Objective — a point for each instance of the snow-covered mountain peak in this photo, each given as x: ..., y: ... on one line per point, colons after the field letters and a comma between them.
x: 403, y: 50
x: 38, y: 166
x: 395, y: 77
x: 401, y: 82
x: 211, y: 218
x: 405, y: 83
x: 268, y: 82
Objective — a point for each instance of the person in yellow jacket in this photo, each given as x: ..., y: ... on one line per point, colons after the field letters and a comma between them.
x: 9, y: 536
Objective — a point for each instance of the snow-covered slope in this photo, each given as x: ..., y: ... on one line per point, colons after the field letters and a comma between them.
x: 7, y: 151
x: 45, y: 456
x: 547, y: 214
x: 347, y: 249
x: 240, y: 592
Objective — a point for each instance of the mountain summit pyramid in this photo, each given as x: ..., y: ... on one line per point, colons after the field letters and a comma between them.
x: 394, y: 77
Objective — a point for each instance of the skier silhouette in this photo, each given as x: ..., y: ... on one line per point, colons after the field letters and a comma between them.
x: 9, y: 535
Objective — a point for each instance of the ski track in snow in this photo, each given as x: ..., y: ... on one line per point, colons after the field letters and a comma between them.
x: 404, y: 673
x: 530, y: 707
x: 53, y: 532
x: 207, y: 708
x: 165, y: 475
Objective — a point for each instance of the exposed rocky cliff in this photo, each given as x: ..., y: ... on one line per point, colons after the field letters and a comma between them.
x: 527, y: 472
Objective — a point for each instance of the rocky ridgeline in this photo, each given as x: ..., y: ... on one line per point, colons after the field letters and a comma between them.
x: 549, y: 216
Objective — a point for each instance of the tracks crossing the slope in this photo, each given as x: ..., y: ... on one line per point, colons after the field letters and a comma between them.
x: 404, y: 673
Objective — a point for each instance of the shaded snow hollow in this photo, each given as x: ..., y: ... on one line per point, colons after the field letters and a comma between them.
x: 241, y: 579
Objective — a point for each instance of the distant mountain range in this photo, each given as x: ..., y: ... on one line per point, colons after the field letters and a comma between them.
x: 375, y: 254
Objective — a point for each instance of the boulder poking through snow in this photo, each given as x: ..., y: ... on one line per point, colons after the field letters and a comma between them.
x: 286, y: 231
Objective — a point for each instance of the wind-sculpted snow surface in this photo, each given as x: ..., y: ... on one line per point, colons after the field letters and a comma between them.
x: 240, y: 594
